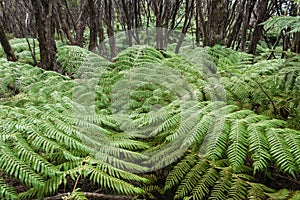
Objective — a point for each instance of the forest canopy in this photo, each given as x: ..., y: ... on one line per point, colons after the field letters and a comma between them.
x: 149, y: 99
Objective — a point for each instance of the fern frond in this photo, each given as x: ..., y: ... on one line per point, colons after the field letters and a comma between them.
x: 237, y: 151
x: 281, y: 152
x: 107, y: 181
x: 7, y: 191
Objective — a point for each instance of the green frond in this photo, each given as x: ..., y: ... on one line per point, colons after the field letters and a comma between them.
x: 222, y: 186
x: 217, y: 141
x: 257, y: 191
x: 180, y: 170
x: 281, y: 152
x: 75, y: 195
x: 207, y: 181
x: 279, y: 195
x: 107, y: 181
x: 7, y: 191
x: 238, y: 139
x: 29, y: 156
x: 259, y: 147
x: 190, y: 181
x: 238, y: 189
x: 295, y: 196
x: 15, y: 167
x: 283, y: 22
x: 146, y: 111
x: 293, y: 139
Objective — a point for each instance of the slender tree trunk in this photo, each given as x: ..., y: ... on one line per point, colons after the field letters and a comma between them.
x: 101, y: 46
x: 262, y: 15
x: 81, y: 22
x: 93, y: 25
x: 296, y: 39
x: 126, y: 7
x: 212, y: 18
x: 109, y: 20
x: 296, y: 43
x: 188, y: 17
x: 237, y: 23
x: 245, y: 27
x: 5, y: 45
x: 64, y: 24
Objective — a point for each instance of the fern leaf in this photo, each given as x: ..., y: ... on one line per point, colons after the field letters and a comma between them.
x: 281, y: 152
x: 259, y: 147
x: 7, y: 191
x: 237, y: 150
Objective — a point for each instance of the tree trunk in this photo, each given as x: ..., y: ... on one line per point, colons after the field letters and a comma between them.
x: 46, y: 30
x: 81, y: 22
x: 296, y: 39
x: 93, y: 25
x: 186, y: 24
x: 5, y: 45
x: 64, y: 24
x: 216, y: 23
x: 212, y: 16
x: 262, y: 15
x: 109, y: 20
x: 249, y: 10
x: 237, y: 21
x: 101, y: 46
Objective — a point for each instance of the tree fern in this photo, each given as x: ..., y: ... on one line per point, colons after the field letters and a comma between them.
x: 214, y: 180
x: 145, y: 111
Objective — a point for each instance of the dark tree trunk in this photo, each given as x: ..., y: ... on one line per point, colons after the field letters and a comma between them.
x: 5, y: 45
x: 109, y: 20
x: 128, y: 15
x: 296, y: 39
x: 296, y: 43
x: 64, y: 25
x: 249, y: 9
x: 212, y: 15
x: 93, y: 25
x: 218, y: 12
x: 234, y: 30
x: 46, y: 30
x: 262, y: 15
x: 165, y: 12
x: 81, y: 22
x: 189, y: 7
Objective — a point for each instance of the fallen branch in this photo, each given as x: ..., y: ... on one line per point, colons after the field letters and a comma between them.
x: 92, y: 195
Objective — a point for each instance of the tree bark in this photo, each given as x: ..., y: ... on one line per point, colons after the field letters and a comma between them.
x: 262, y: 15
x: 93, y: 25
x: 189, y: 7
x: 212, y: 15
x: 46, y: 30
x: 216, y: 21
x: 109, y: 20
x: 81, y: 22
x: 64, y: 24
x: 245, y: 27
x: 5, y: 45
x: 296, y: 39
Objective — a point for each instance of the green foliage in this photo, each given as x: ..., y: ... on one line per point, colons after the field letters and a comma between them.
x: 72, y: 58
x: 284, y: 22
x: 268, y: 87
x: 42, y: 142
x: 144, y: 111
x: 21, y: 49
x: 213, y: 180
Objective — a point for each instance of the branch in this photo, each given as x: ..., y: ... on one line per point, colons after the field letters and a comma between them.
x: 91, y: 195
x: 270, y: 99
